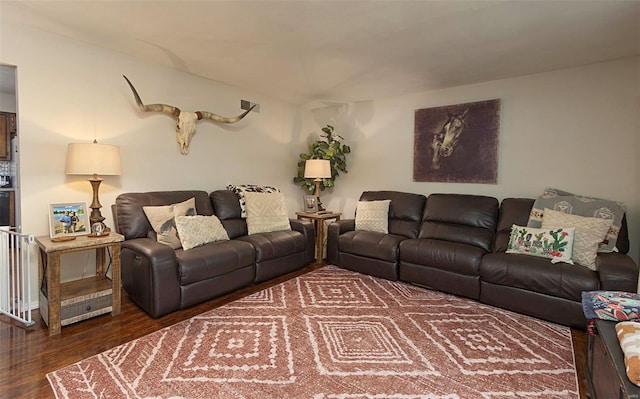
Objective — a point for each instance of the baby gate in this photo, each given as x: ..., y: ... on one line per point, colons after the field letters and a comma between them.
x: 15, y: 281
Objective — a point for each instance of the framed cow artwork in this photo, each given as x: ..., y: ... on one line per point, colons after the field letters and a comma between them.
x: 457, y: 143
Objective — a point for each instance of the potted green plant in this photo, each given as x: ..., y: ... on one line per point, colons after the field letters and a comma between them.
x: 329, y: 147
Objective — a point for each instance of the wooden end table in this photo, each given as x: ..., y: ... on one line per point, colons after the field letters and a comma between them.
x: 318, y: 219
x: 605, y: 369
x: 66, y: 303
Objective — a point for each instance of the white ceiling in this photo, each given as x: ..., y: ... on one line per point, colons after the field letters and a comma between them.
x: 306, y: 51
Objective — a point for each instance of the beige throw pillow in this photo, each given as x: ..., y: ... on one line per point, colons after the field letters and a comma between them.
x: 590, y: 232
x: 266, y: 212
x: 162, y: 219
x: 373, y: 216
x: 199, y: 230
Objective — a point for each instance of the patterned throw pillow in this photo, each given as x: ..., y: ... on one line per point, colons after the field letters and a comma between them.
x: 555, y: 244
x: 199, y: 230
x: 241, y: 189
x: 628, y: 333
x: 162, y: 219
x: 589, y: 233
x: 566, y: 202
x: 266, y: 212
x: 373, y: 216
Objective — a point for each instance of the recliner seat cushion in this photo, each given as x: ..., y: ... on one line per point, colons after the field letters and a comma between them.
x: 213, y: 259
x: 446, y: 255
x: 538, y: 274
x: 371, y: 244
x: 275, y: 244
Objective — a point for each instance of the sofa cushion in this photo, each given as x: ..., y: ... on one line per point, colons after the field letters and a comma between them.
x: 133, y: 223
x: 566, y: 202
x: 162, y: 219
x: 446, y: 255
x: 213, y: 259
x: 517, y: 211
x: 512, y: 211
x: 276, y: 244
x: 227, y: 208
x: 467, y: 219
x: 371, y: 244
x: 373, y: 216
x: 589, y: 233
x: 199, y: 230
x: 405, y: 210
x: 266, y: 212
x: 535, y: 274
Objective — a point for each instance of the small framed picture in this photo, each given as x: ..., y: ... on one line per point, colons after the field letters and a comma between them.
x: 69, y: 219
x: 310, y: 203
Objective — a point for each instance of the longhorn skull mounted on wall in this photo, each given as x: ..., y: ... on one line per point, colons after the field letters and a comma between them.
x: 185, y: 120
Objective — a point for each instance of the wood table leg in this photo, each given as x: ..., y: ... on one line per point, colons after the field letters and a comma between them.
x: 115, y: 279
x: 100, y: 261
x: 53, y: 292
x: 319, y: 240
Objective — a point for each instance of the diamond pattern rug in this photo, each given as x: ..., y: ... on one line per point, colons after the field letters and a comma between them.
x: 336, y: 334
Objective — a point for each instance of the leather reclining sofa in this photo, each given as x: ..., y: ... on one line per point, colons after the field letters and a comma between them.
x: 161, y: 280
x: 456, y: 244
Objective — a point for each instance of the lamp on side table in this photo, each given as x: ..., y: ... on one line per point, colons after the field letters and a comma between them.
x: 94, y: 159
x: 317, y: 169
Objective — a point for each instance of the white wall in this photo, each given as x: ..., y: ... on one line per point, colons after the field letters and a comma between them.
x: 73, y: 92
x: 574, y: 129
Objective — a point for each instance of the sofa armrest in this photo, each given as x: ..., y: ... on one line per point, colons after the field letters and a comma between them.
x: 150, y: 275
x: 617, y: 272
x: 335, y: 230
x: 306, y: 228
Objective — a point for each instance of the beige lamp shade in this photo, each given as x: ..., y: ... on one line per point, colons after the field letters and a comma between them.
x: 93, y: 159
x: 317, y: 169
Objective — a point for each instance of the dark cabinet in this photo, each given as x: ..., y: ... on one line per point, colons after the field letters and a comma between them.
x: 7, y: 208
x: 12, y: 125
x: 7, y: 129
x: 605, y: 365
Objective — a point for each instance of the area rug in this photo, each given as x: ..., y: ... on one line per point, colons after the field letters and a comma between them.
x: 335, y: 334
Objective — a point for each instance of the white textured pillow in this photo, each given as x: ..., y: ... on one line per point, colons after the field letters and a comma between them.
x: 162, y: 219
x: 241, y: 189
x: 266, y: 212
x: 199, y: 230
x: 590, y: 232
x: 373, y: 216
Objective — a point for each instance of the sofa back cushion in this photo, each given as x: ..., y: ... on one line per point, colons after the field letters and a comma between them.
x: 405, y: 210
x: 462, y: 218
x: 512, y: 211
x: 226, y: 206
x: 133, y: 223
x: 517, y: 210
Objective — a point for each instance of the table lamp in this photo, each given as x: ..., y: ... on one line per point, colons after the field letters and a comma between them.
x: 317, y: 169
x: 93, y: 159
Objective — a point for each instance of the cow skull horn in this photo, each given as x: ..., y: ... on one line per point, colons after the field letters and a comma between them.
x: 167, y: 109
x: 185, y: 121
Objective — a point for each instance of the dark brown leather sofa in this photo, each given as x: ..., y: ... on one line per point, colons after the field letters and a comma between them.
x: 456, y: 244
x: 161, y: 280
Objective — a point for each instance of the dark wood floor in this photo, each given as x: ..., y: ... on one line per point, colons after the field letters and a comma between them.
x: 27, y: 355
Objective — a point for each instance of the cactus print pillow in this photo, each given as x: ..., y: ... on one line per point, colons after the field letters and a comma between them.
x: 555, y: 244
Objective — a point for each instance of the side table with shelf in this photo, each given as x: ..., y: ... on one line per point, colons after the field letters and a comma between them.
x: 318, y: 219
x: 69, y: 302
